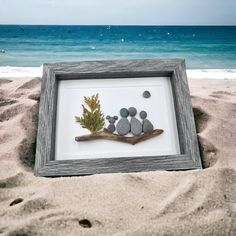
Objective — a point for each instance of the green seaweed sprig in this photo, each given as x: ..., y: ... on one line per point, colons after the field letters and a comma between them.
x: 92, y: 118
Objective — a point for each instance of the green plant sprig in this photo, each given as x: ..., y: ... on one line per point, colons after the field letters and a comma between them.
x: 92, y: 118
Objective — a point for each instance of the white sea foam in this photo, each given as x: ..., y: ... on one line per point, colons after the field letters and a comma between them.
x: 212, y: 74
x: 8, y: 71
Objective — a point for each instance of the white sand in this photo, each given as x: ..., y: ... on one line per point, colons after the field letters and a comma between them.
x: 199, y: 202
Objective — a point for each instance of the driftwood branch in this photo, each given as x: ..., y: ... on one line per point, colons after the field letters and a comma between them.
x: 115, y: 137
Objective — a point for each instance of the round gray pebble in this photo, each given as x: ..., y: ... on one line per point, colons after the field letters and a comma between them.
x: 143, y: 114
x: 123, y: 126
x: 136, y: 126
x: 111, y: 128
x: 146, y: 94
x: 147, y: 126
x: 124, y: 112
x: 132, y: 111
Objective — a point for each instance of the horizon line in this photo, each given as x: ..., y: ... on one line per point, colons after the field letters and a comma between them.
x: 153, y: 25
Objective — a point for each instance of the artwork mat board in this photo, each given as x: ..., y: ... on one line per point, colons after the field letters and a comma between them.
x: 115, y: 94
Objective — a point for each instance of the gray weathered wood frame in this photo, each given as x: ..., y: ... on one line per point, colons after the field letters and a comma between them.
x: 46, y: 165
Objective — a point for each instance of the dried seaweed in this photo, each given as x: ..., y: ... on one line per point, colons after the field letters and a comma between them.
x: 92, y: 118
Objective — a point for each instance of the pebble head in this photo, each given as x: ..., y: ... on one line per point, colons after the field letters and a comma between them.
x: 124, y: 112
x: 143, y: 114
x: 132, y: 111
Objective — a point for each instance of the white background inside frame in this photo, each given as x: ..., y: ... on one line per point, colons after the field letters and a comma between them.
x: 115, y: 94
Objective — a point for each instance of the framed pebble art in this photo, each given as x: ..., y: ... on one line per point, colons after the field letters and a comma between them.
x: 115, y: 116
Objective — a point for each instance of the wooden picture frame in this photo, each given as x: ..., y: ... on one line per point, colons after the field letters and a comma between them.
x: 188, y: 158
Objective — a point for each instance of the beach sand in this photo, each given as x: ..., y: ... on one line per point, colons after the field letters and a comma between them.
x: 197, y: 202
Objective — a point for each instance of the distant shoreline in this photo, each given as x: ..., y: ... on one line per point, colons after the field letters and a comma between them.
x: 9, y: 72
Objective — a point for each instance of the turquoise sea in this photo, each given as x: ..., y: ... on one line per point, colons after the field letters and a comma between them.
x: 203, y: 47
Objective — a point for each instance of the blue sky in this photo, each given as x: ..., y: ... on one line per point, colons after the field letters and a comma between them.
x: 122, y: 12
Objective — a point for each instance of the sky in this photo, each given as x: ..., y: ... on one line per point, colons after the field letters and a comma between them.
x: 118, y: 12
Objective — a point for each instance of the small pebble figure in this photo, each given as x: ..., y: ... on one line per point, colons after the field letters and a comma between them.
x: 135, y: 124
x: 147, y: 125
x: 123, y: 125
x: 111, y: 127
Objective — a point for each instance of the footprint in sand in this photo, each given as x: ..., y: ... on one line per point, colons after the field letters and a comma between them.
x: 201, y: 119
x: 222, y: 94
x: 11, y: 111
x: 30, y: 84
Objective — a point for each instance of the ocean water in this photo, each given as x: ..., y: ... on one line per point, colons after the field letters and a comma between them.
x: 203, y: 47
